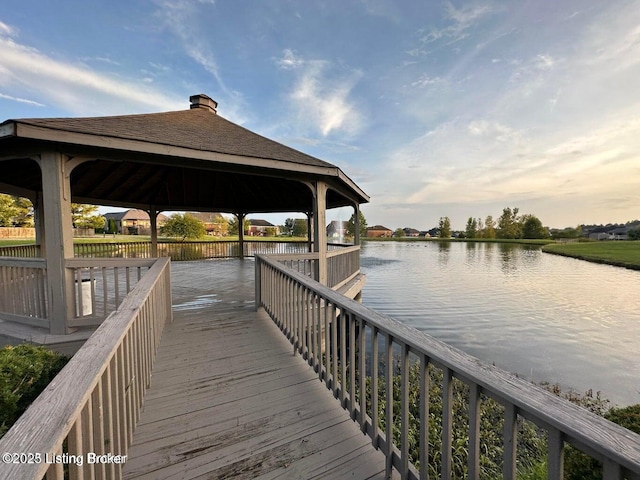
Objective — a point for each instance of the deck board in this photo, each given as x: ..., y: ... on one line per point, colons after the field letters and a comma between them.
x: 228, y: 399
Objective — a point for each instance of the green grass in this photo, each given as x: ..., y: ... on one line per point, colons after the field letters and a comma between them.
x: 8, y: 243
x: 619, y: 253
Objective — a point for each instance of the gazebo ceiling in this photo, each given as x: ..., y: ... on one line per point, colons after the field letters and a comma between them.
x: 185, y: 160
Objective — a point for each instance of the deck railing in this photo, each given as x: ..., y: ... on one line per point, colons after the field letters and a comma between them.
x: 357, y: 352
x: 91, y: 407
x: 343, y: 264
x: 22, y: 251
x: 178, y: 251
x: 100, y: 286
x: 23, y: 296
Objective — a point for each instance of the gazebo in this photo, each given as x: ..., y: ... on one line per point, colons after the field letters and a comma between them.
x: 188, y: 160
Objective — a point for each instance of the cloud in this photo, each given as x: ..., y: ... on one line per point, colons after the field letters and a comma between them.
x: 72, y: 87
x: 8, y: 30
x: 22, y: 100
x: 427, y: 81
x: 320, y: 94
x: 289, y: 60
x: 460, y: 20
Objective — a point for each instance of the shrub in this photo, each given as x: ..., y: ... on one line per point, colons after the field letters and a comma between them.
x: 25, y: 370
x: 580, y: 466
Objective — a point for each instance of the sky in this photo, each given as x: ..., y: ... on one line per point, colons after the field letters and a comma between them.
x: 434, y: 108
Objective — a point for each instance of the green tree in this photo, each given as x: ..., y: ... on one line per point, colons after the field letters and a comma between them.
x: 532, y: 228
x: 351, y: 225
x: 85, y: 216
x: 24, y: 214
x: 489, y: 227
x: 480, y: 227
x: 300, y: 228
x: 233, y: 225
x: 472, y: 228
x: 509, y: 225
x: 445, y: 227
x: 184, y: 226
x: 221, y: 226
x: 287, y: 228
x: 8, y: 210
x: 399, y: 233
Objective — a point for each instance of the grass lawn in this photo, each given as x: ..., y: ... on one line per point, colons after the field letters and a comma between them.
x: 619, y: 253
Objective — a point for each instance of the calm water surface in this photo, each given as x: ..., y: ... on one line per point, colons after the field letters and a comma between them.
x: 544, y: 317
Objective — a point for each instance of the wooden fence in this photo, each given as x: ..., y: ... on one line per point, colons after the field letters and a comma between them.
x: 357, y: 352
x: 93, y: 404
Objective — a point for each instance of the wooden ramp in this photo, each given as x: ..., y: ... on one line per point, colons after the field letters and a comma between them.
x: 228, y: 399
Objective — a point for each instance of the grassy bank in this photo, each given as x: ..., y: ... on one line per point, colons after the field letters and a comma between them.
x: 621, y: 254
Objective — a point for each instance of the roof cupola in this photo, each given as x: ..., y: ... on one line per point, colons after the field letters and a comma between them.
x: 203, y: 101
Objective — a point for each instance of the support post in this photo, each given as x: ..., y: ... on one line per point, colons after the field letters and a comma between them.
x: 58, y: 239
x: 153, y: 220
x: 38, y: 223
x: 240, y: 216
x: 356, y: 234
x: 319, y: 230
x: 310, y: 231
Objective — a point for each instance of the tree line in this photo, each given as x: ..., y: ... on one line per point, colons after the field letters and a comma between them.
x: 18, y: 212
x: 510, y: 225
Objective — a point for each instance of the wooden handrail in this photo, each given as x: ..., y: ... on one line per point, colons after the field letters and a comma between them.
x: 94, y: 402
x: 318, y: 321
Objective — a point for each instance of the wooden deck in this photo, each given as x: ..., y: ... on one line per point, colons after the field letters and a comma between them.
x: 228, y: 399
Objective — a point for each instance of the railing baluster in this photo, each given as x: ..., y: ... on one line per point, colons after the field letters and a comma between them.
x: 555, y: 461
x: 334, y: 350
x: 447, y: 419
x: 362, y: 350
x: 375, y: 362
x: 74, y: 447
x: 388, y: 422
x: 98, y: 429
x: 510, y: 438
x: 611, y: 470
x: 404, y: 411
x: 328, y: 326
x: 352, y: 365
x: 343, y: 359
x: 424, y: 416
x: 473, y: 462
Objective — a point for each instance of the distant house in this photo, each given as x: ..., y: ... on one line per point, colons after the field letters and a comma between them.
x: 411, y: 232
x: 610, y: 232
x: 260, y: 228
x: 378, y: 231
x: 620, y: 233
x: 337, y: 229
x: 131, y: 222
x: 214, y: 223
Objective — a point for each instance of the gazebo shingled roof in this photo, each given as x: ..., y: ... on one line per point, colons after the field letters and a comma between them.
x: 183, y: 160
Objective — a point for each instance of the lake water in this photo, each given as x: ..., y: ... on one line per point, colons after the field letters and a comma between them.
x: 544, y: 317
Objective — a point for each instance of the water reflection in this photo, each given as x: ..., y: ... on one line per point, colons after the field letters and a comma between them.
x: 545, y: 317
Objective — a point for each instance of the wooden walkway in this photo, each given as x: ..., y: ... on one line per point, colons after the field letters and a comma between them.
x: 228, y: 399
